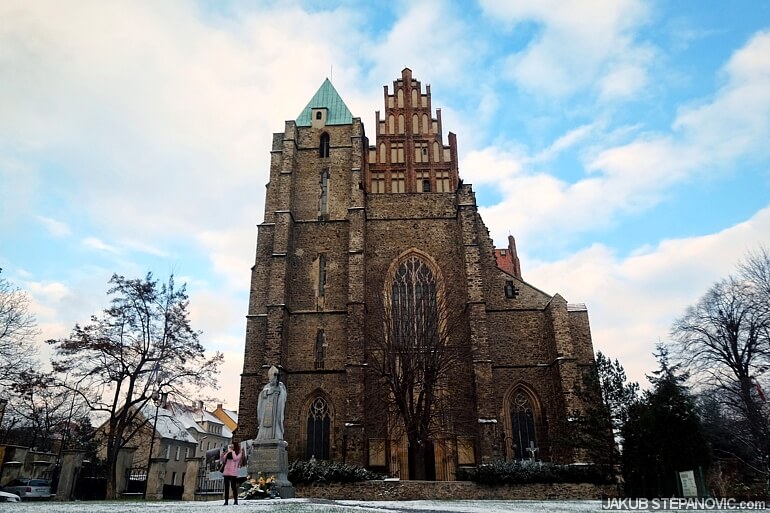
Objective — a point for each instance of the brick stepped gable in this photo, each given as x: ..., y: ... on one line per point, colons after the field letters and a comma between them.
x: 341, y: 216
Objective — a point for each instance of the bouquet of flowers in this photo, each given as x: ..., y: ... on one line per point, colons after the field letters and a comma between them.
x: 259, y: 488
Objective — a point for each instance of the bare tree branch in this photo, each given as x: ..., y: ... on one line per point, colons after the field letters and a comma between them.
x: 141, y: 344
x: 417, y: 346
x: 18, y: 328
x: 724, y: 342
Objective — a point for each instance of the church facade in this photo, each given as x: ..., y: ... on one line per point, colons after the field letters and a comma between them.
x: 352, y: 232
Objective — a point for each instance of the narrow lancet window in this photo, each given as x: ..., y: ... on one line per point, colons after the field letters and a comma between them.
x: 323, y: 149
x: 321, y: 274
x: 324, y: 200
x: 320, y: 349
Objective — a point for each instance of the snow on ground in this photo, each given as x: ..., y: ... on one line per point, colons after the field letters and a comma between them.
x: 307, y: 506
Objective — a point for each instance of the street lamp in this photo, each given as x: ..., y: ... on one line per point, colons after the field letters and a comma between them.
x: 159, y: 399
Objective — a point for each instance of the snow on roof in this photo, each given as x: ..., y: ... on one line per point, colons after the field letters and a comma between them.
x: 194, y: 419
x: 232, y: 414
x: 169, y: 424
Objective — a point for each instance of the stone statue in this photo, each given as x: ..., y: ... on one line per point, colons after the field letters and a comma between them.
x: 272, y: 400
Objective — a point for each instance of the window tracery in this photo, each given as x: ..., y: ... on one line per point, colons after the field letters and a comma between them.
x: 318, y: 429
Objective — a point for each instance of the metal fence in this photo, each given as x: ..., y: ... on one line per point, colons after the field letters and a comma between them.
x: 136, y: 480
x: 207, y: 486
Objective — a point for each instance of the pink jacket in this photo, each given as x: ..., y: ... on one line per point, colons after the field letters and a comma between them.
x: 231, y: 465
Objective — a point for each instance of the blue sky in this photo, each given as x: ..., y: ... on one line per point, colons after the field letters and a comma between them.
x: 625, y: 144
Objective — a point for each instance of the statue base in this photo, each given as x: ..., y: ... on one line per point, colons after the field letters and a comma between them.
x: 271, y: 459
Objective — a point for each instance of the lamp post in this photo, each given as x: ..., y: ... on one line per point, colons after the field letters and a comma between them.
x: 159, y: 399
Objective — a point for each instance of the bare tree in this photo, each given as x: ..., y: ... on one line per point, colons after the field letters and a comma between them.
x: 418, y: 345
x: 18, y: 328
x: 45, y: 409
x: 755, y: 268
x: 723, y: 341
x: 142, y: 344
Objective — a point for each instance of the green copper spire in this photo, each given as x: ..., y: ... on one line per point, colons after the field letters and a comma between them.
x: 328, y: 98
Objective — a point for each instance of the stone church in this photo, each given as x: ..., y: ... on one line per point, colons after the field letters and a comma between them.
x: 351, y: 231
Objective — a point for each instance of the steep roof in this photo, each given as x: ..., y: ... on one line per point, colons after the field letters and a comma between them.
x: 169, y: 425
x: 328, y: 98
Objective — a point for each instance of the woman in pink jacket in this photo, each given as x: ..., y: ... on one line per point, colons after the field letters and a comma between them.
x: 232, y: 459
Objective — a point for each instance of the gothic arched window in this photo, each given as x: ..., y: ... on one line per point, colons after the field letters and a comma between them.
x: 318, y: 429
x: 414, y: 309
x: 523, y: 426
x: 323, y: 149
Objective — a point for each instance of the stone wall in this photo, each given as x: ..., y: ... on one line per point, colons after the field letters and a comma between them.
x: 17, y: 461
x: 532, y: 341
x: 451, y: 490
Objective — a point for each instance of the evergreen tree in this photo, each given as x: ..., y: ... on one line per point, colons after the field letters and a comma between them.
x: 663, y: 435
x: 607, y: 397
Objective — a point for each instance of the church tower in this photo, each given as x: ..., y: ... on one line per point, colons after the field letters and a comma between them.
x: 352, y: 233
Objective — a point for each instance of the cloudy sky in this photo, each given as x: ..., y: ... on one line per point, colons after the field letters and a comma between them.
x: 626, y: 144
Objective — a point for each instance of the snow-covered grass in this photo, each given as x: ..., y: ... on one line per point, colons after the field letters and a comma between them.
x: 308, y: 506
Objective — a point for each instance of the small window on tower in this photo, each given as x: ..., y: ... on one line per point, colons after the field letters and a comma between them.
x: 318, y: 115
x: 323, y: 149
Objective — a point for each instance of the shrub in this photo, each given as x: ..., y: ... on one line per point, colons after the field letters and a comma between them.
x: 322, y: 471
x: 516, y: 472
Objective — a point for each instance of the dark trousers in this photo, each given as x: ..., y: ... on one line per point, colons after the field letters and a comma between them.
x: 231, y: 482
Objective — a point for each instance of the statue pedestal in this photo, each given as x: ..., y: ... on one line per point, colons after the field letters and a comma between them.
x: 271, y: 459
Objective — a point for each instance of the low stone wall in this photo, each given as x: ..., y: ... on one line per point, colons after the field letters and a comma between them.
x: 451, y: 490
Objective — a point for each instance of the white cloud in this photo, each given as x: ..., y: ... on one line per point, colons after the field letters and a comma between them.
x: 19, y: 183
x: 579, y: 44
x: 623, y: 82
x: 99, y: 245
x: 156, y: 114
x: 565, y: 142
x: 430, y: 39
x: 143, y: 247
x: 633, y: 300
x: 56, y: 228
x: 704, y: 140
x: 493, y: 165
x: 216, y: 314
x: 229, y: 389
x: 231, y: 253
